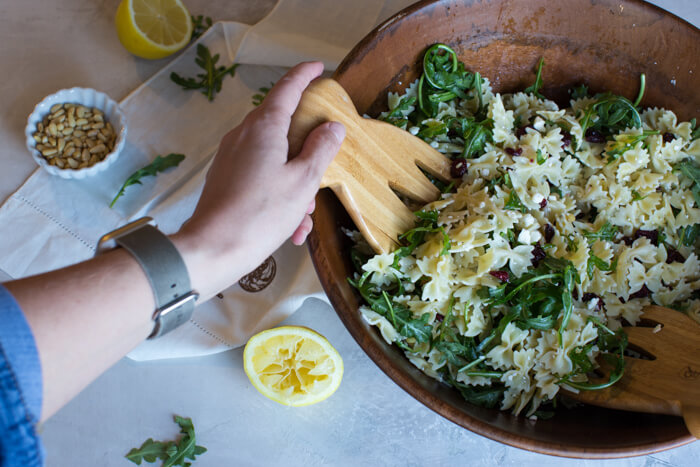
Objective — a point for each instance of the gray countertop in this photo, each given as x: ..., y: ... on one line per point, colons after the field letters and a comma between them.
x: 45, y: 46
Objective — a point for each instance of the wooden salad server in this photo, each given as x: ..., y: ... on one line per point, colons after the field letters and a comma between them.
x: 668, y: 384
x: 375, y: 160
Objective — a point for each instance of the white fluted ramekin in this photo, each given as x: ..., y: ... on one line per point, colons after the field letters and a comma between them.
x: 88, y: 98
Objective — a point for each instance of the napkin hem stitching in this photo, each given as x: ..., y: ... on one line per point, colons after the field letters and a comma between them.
x: 52, y: 219
x: 210, y: 334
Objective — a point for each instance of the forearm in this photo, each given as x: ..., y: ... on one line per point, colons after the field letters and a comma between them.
x: 84, y: 319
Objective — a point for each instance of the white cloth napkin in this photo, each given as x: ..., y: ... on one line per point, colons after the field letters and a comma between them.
x: 51, y: 222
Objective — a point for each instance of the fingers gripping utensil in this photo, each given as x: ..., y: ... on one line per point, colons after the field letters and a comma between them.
x: 376, y: 160
x: 667, y: 384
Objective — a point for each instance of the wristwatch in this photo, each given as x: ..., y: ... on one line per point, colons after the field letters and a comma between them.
x: 164, y: 267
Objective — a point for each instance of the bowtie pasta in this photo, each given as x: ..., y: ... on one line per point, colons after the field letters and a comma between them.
x: 561, y: 225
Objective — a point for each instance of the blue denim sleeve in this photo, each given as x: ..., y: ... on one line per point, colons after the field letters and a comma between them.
x: 20, y: 388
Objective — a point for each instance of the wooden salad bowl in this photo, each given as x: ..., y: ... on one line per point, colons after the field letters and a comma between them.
x: 604, y: 44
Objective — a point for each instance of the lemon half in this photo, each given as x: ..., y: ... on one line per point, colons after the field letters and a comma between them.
x: 293, y: 365
x: 153, y: 28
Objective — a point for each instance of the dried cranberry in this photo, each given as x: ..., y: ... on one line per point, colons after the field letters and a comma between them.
x: 458, y: 168
x: 652, y: 235
x: 641, y: 293
x: 674, y: 256
x: 522, y: 130
x: 548, y: 233
x: 565, y: 138
x: 543, y: 203
x: 514, y: 152
x: 538, y: 255
x: 668, y: 137
x: 439, y: 317
x: 502, y: 276
x: 594, y: 136
x: 628, y: 240
x: 574, y: 294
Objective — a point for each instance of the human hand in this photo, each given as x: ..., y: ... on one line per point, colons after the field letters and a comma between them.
x: 255, y: 198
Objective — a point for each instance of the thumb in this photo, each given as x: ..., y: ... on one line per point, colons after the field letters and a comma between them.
x: 319, y: 149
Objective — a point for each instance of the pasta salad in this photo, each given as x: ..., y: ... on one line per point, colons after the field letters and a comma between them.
x: 560, y: 226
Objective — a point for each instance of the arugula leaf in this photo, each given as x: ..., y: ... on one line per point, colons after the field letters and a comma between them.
x: 606, y: 231
x: 150, y: 451
x: 612, y: 346
x: 514, y: 204
x: 209, y: 82
x: 262, y: 93
x: 624, y: 143
x: 417, y: 328
x: 541, y: 159
x: 427, y: 223
x: 172, y: 453
x: 476, y: 134
x: 200, y: 24
x: 695, y: 130
x: 612, y: 113
x: 579, y: 92
x: 642, y: 86
x: 432, y: 129
x: 688, y: 235
x: 636, y: 196
x: 159, y: 164
x: 535, y: 88
x: 595, y: 262
x: 692, y: 171
x: 482, y: 396
x: 396, y: 116
x: 443, y: 79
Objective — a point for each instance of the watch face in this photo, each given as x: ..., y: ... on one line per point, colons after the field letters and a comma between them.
x: 260, y: 278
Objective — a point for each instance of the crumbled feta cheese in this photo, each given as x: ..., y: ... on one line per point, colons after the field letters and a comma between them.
x: 537, y: 198
x: 538, y: 124
x: 434, y: 144
x: 524, y: 237
x: 414, y: 130
x: 485, y: 172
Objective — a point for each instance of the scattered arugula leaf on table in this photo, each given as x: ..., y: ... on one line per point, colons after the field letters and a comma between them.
x: 209, y: 82
x: 200, y: 24
x: 172, y: 453
x: 261, y: 94
x: 159, y: 164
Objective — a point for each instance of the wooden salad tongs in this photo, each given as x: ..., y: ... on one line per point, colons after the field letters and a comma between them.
x: 667, y: 384
x: 375, y: 159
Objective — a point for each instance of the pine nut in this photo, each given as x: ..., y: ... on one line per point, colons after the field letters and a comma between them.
x: 98, y: 148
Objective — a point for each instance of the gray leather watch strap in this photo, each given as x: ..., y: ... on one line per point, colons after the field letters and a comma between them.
x: 167, y: 274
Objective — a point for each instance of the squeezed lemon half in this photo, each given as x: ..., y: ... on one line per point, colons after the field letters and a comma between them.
x: 293, y: 365
x: 153, y: 28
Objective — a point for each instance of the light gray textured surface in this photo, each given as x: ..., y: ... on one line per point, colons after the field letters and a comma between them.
x: 45, y: 46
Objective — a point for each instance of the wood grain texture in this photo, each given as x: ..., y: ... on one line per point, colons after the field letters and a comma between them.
x: 602, y: 43
x: 669, y: 382
x: 375, y: 160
